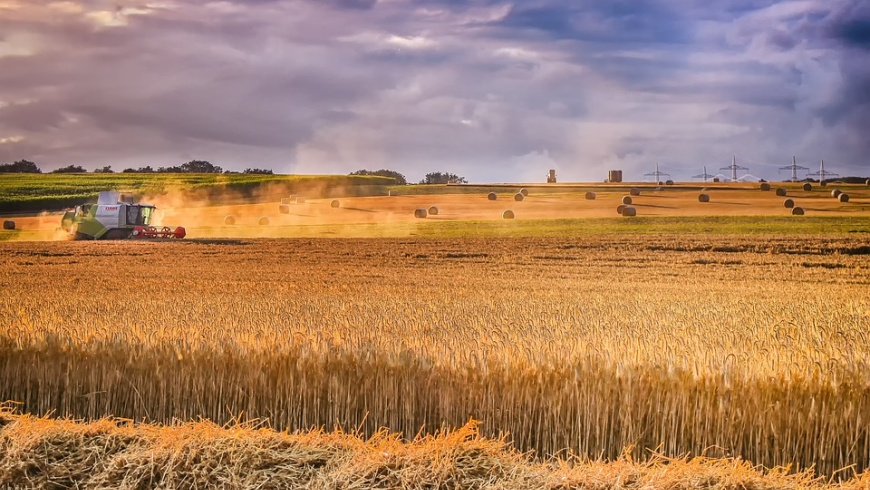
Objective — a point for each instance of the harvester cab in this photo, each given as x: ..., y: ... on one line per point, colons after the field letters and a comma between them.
x: 112, y: 219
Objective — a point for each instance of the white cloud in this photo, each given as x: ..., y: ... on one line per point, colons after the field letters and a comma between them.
x: 18, y: 44
x: 66, y: 7
x: 11, y: 4
x: 116, y: 18
x: 412, y: 42
x: 11, y: 139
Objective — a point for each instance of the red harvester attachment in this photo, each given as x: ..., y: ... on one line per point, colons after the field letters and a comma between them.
x: 158, y: 232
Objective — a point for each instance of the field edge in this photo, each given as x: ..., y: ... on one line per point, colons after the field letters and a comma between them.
x: 41, y: 451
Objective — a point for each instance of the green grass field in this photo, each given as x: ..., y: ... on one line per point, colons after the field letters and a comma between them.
x: 650, y: 225
x: 38, y: 192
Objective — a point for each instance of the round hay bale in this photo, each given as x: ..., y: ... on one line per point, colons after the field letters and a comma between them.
x: 507, y: 214
x: 797, y: 211
x: 524, y: 192
x: 284, y: 209
x: 519, y: 196
x: 300, y: 200
x: 823, y: 184
x: 629, y: 211
x: 669, y: 182
x: 419, y: 213
x: 8, y: 225
x: 492, y: 196
x: 765, y: 186
x: 620, y: 208
x: 703, y: 197
x: 836, y: 193
x: 590, y: 196
x: 844, y: 197
x: 335, y: 203
x: 788, y: 203
x: 433, y: 210
x: 263, y: 221
x: 808, y: 187
x: 626, y: 200
x: 780, y: 191
x: 229, y: 220
x: 634, y: 191
x: 868, y: 182
x: 661, y: 182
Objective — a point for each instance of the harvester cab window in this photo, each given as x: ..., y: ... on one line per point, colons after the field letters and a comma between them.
x: 133, y: 215
x: 84, y: 209
x: 146, y: 215
x: 139, y: 215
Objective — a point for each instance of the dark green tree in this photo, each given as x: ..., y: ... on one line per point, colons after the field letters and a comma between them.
x: 70, y: 169
x: 200, y: 167
x: 21, y: 167
x: 400, y: 179
x: 443, y: 178
x: 140, y: 170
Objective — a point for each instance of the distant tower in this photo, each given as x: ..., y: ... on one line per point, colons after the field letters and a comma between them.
x: 704, y: 175
x: 656, y: 174
x: 822, y: 173
x: 794, y: 167
x: 734, y: 168
x: 551, y: 176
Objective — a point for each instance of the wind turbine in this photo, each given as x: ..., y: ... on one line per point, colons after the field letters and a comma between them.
x: 794, y: 167
x: 734, y: 168
x: 656, y: 174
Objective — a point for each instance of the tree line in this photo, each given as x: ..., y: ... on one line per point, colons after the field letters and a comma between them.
x: 430, y: 178
x: 191, y: 167
x: 205, y: 167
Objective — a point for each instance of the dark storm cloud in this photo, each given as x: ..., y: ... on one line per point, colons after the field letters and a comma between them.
x: 855, y: 33
x: 851, y: 25
x: 494, y: 90
x: 618, y: 21
x: 351, y: 4
x: 848, y: 27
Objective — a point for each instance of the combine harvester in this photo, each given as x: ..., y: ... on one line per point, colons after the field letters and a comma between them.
x: 112, y: 219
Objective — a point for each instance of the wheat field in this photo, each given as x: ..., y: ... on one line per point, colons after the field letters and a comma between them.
x: 596, y: 348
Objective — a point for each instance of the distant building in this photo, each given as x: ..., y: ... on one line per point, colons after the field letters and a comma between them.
x: 551, y: 177
x: 614, y: 176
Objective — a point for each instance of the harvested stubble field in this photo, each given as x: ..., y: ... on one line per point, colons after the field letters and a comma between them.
x: 750, y: 347
x: 45, y: 453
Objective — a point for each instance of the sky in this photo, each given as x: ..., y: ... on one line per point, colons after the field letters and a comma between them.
x: 494, y: 91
